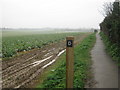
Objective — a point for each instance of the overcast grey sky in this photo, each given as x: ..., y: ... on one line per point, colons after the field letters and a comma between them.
x: 51, y: 13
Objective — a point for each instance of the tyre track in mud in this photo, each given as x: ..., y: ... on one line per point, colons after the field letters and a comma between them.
x: 19, y: 71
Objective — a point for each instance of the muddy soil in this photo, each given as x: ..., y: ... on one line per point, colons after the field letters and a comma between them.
x: 19, y: 71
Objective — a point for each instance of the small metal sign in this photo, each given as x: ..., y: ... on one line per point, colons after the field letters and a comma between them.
x: 69, y: 43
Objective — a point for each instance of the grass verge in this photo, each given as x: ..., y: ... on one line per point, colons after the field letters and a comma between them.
x: 56, y: 77
x: 112, y: 49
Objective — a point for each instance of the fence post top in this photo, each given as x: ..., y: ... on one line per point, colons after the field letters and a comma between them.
x: 70, y: 38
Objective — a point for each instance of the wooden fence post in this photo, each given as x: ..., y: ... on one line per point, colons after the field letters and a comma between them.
x: 69, y: 62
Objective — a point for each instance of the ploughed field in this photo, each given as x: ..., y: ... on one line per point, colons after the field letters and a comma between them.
x: 26, y: 56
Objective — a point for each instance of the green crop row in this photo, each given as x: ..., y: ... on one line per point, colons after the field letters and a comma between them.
x: 12, y: 45
x: 57, y: 77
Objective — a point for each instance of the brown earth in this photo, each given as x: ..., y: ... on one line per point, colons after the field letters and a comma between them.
x: 21, y: 70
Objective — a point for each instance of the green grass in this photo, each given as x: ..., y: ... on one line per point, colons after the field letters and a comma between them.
x: 112, y: 49
x: 11, y: 45
x: 57, y: 78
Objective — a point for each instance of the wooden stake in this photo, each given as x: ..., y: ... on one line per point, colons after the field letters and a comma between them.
x: 69, y: 61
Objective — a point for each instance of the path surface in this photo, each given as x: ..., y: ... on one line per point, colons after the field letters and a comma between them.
x: 104, y: 69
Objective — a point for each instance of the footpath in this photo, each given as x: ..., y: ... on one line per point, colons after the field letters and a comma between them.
x: 105, y: 70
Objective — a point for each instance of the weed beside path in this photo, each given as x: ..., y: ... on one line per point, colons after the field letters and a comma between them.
x: 112, y: 49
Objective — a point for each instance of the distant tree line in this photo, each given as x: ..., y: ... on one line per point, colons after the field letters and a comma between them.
x: 111, y: 23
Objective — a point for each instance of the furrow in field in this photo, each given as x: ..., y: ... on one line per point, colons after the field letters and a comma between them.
x: 25, y: 73
x: 11, y: 68
x: 13, y: 62
x: 21, y: 74
x: 23, y: 64
x: 39, y: 70
x: 23, y: 69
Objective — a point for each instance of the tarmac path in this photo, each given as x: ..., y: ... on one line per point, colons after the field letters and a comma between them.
x: 105, y: 70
